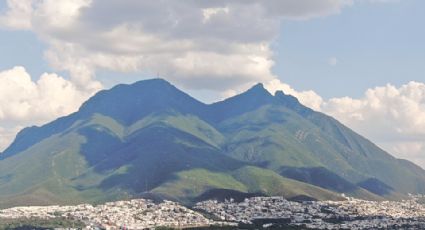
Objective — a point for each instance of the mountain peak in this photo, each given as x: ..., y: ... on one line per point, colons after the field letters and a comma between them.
x: 258, y: 85
x: 256, y: 94
x: 250, y: 100
x: 279, y: 93
x: 291, y: 102
x: 281, y: 96
x: 151, y: 137
x: 153, y: 81
x: 128, y: 103
x: 258, y: 89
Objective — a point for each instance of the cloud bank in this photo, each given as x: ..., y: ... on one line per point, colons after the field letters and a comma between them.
x: 217, y: 45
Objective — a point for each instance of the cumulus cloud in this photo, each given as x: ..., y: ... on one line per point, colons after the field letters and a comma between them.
x: 18, y: 16
x: 193, y: 43
x: 27, y: 102
x: 403, y: 109
x: 393, y: 117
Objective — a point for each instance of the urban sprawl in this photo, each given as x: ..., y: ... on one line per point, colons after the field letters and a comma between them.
x: 263, y: 212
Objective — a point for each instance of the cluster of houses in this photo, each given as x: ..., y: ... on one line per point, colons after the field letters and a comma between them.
x: 264, y: 211
x: 348, y: 214
x: 133, y: 214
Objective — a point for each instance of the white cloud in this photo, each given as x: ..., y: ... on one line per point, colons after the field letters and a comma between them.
x: 411, y: 150
x: 18, y: 16
x: 188, y: 42
x: 395, y: 112
x: 26, y: 102
x: 7, y: 135
x: 333, y: 61
x: 208, y: 13
x: 213, y: 44
x: 392, y: 117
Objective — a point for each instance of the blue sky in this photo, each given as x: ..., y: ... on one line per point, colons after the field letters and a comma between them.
x: 360, y: 61
x: 22, y: 48
x: 374, y: 44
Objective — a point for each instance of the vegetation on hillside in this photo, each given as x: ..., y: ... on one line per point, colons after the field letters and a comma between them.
x: 150, y: 137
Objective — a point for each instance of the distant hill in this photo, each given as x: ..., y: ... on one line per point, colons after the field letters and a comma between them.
x: 151, y: 139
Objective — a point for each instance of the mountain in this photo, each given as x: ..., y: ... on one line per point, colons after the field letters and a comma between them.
x: 150, y: 139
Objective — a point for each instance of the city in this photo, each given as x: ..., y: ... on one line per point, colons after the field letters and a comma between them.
x: 262, y: 212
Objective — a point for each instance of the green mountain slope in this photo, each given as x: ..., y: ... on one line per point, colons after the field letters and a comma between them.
x: 150, y: 138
